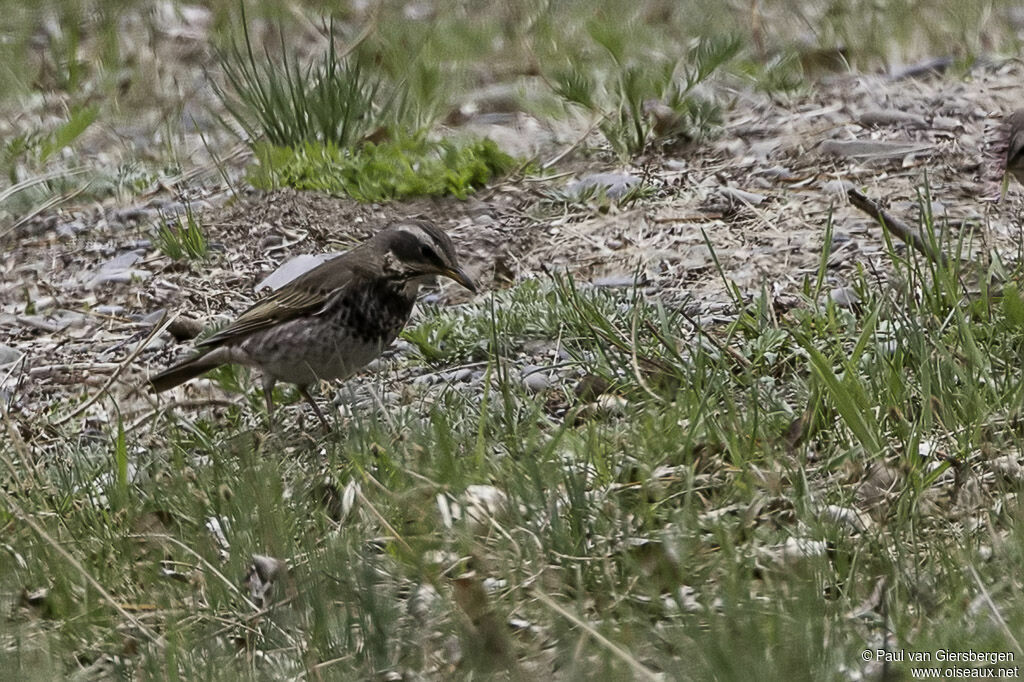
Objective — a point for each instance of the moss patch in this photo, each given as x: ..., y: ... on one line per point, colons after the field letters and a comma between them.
x: 377, y: 172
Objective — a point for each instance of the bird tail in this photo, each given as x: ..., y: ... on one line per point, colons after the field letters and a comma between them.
x: 183, y: 371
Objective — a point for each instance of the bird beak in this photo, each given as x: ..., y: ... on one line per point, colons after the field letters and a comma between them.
x: 459, y: 275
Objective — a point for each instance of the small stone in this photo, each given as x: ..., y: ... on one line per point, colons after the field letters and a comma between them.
x: 615, y: 282
x: 112, y: 310
x: 614, y: 185
x: 535, y: 378
x: 54, y: 322
x: 482, y: 503
x: 780, y: 173
x: 739, y: 197
x: 119, y: 270
x: 870, y: 149
x: 845, y: 297
x: 947, y: 123
x: 458, y: 376
x: 8, y: 355
x: 1007, y: 465
x: 889, y: 347
x: 847, y: 518
x: 837, y: 187
x: 153, y: 317
x: 71, y: 228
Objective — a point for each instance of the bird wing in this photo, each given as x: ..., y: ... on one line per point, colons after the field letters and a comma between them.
x: 305, y: 295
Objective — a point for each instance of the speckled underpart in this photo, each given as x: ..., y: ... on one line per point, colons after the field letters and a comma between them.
x: 350, y: 332
x: 332, y: 321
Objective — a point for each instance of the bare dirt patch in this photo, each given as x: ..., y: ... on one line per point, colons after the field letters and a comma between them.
x: 83, y: 286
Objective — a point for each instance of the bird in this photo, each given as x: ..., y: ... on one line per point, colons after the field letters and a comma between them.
x: 1014, y: 131
x: 332, y: 321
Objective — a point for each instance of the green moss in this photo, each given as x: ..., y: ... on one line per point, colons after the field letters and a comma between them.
x: 377, y: 172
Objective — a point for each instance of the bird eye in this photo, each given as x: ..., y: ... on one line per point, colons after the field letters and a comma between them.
x: 428, y: 254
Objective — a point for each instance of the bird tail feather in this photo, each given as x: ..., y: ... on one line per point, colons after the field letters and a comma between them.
x: 182, y: 372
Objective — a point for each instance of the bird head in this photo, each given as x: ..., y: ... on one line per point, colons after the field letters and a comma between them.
x: 419, y: 250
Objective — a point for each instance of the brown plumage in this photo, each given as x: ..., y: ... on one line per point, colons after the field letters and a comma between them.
x: 1014, y: 124
x: 333, y: 320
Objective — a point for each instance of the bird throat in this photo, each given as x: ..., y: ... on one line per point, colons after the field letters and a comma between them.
x: 378, y: 311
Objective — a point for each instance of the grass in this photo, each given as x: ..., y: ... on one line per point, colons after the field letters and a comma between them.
x: 333, y: 100
x: 337, y: 127
x: 781, y: 491
x: 642, y: 100
x: 182, y: 239
x: 392, y: 169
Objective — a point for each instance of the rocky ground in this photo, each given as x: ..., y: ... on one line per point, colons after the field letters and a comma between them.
x: 83, y: 284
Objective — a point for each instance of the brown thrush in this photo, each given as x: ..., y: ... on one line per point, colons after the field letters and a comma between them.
x: 333, y: 320
x: 1014, y: 124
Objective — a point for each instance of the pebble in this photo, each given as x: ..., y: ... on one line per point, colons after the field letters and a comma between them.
x: 889, y: 347
x: 873, y: 149
x: 535, y: 378
x: 8, y: 355
x: 55, y: 322
x: 847, y: 519
x: 119, y: 269
x: 458, y: 376
x: 71, y: 228
x: 837, y: 187
x: 738, y: 196
x: 615, y: 185
x: 426, y: 379
x: 590, y: 387
x: 845, y: 297
x: 153, y: 317
x: 109, y: 309
x: 615, y: 282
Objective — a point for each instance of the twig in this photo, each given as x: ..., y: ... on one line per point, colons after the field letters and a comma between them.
x: 47, y: 205
x: 565, y: 152
x: 380, y: 517
x: 995, y: 611
x: 158, y: 328
x: 903, y: 232
x: 642, y: 671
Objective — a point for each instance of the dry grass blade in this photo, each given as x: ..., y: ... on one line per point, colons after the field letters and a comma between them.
x: 15, y: 509
x: 995, y: 610
x: 642, y: 671
x: 157, y: 329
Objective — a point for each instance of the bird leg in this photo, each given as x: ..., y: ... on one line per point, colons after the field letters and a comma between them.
x: 304, y: 390
x: 268, y: 383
